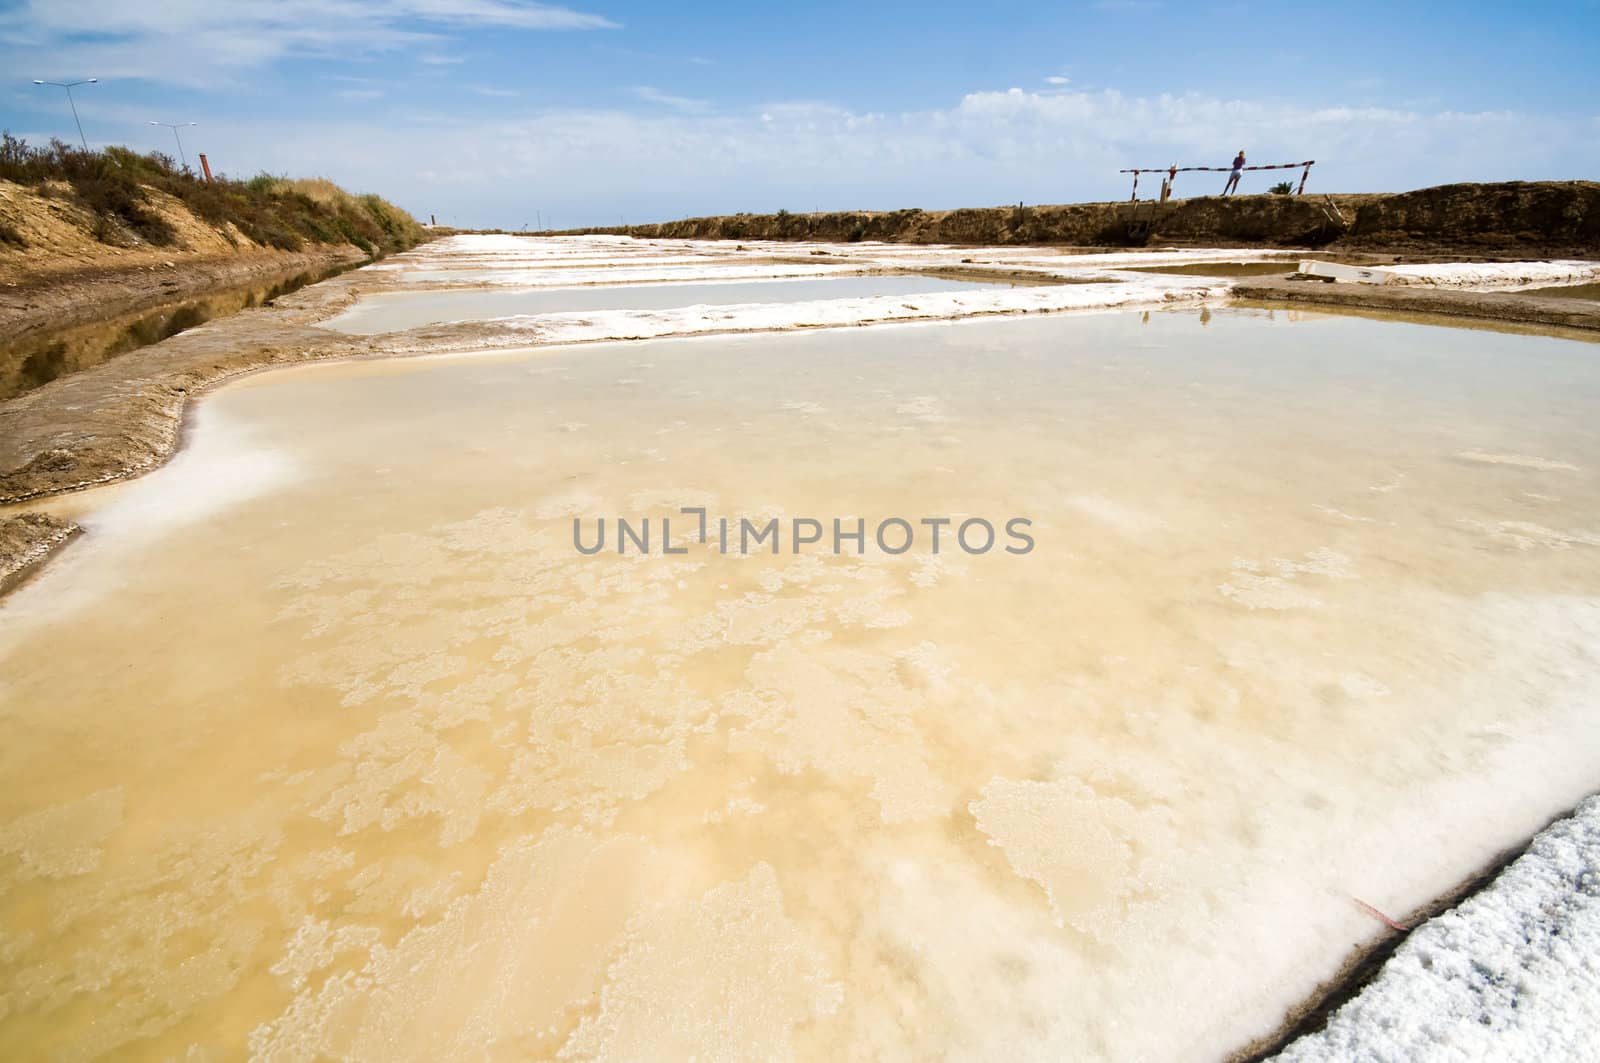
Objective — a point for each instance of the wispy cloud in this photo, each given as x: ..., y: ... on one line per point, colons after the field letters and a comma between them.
x: 198, y: 43
x: 490, y: 90
x: 432, y: 59
x: 1056, y: 79
x: 686, y: 104
x: 360, y: 94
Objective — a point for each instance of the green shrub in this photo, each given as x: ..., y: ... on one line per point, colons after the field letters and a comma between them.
x: 265, y: 183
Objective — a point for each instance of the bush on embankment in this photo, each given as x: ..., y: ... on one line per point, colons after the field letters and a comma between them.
x: 118, y: 186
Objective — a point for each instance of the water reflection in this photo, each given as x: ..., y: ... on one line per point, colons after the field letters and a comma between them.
x: 38, y: 359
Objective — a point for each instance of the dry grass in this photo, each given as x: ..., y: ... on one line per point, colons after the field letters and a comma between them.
x: 116, y: 187
x: 320, y: 189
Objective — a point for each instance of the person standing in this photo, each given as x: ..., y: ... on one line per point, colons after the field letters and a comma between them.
x: 1233, y: 178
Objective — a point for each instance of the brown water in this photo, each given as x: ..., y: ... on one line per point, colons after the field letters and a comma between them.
x: 398, y: 311
x: 40, y: 358
x: 1222, y: 269
x: 1586, y: 292
x: 325, y: 743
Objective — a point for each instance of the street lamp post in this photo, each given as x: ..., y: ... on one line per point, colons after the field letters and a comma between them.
x: 69, y: 86
x: 175, y: 126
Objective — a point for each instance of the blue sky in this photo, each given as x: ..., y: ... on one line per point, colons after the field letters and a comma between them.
x: 498, y: 112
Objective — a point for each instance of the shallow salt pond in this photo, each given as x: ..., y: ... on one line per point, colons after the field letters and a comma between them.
x: 397, y: 311
x: 325, y: 742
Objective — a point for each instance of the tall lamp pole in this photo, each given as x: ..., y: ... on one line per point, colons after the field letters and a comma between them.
x: 69, y: 86
x: 175, y: 126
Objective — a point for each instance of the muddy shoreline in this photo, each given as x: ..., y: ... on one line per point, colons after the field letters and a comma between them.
x: 27, y: 541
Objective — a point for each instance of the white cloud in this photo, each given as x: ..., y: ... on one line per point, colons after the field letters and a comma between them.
x: 514, y: 13
x: 589, y: 165
x: 990, y: 147
x: 490, y: 90
x: 360, y: 94
x: 202, y: 42
x: 1056, y: 79
x: 678, y: 103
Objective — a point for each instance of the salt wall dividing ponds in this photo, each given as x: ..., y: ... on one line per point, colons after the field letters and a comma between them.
x: 398, y: 311
x: 324, y: 741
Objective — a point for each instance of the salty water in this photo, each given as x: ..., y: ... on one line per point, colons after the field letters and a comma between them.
x: 324, y: 742
x: 397, y: 311
x: 1587, y: 292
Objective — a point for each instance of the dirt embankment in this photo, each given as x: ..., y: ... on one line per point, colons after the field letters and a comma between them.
x: 125, y: 416
x: 1515, y: 218
x: 88, y: 261
x: 102, y: 252
x: 88, y: 235
x: 26, y: 542
x: 75, y: 296
x: 1247, y: 219
x: 64, y: 260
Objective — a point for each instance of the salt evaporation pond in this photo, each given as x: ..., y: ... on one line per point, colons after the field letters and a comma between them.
x: 397, y: 311
x: 326, y: 743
